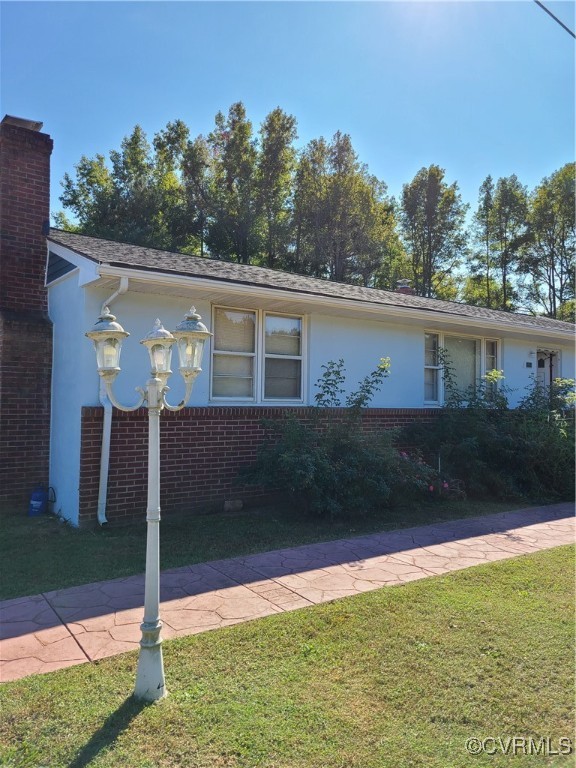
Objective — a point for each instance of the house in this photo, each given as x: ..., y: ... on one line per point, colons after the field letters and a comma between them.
x: 272, y: 333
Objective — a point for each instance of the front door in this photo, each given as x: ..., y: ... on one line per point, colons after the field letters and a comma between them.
x: 547, y: 367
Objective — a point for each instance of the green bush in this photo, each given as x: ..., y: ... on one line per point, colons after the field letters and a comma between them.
x: 498, y: 452
x: 330, y: 465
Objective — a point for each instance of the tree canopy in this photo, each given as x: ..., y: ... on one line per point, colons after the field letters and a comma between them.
x: 432, y: 220
x: 254, y: 197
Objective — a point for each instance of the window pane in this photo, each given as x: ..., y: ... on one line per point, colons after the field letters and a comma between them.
x: 282, y: 379
x: 491, y: 355
x: 283, y: 335
x: 464, y: 358
x: 491, y: 364
x: 233, y: 376
x: 234, y: 330
x: 431, y: 349
x: 431, y: 385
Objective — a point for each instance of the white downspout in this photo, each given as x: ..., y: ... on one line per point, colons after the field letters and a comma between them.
x: 107, y: 424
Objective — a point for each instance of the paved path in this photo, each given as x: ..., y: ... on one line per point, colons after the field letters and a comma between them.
x: 72, y: 626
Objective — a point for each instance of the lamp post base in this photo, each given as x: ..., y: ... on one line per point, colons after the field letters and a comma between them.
x: 150, y: 683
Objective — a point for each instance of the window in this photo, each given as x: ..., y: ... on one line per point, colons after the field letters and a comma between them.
x: 283, y: 358
x: 491, y: 364
x: 491, y: 355
x: 431, y: 368
x: 234, y: 353
x: 256, y: 356
x: 469, y: 359
x: 464, y: 357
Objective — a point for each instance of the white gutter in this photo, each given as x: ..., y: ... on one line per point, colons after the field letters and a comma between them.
x: 107, y: 425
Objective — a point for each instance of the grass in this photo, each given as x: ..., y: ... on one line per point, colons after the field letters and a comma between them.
x: 39, y: 554
x: 396, y: 678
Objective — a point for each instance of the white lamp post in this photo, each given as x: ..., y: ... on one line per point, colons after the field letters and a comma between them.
x: 190, y: 336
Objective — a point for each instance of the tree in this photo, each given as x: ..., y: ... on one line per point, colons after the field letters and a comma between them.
x: 549, y: 260
x: 432, y: 220
x: 139, y: 199
x: 382, y: 252
x: 480, y: 292
x: 481, y: 289
x: 255, y: 199
x: 275, y: 171
x: 344, y: 222
x: 310, y: 215
x: 196, y: 176
x: 91, y: 196
x: 509, y: 220
x: 345, y: 200
x: 567, y: 311
x: 393, y: 264
x: 179, y: 213
x: 233, y: 228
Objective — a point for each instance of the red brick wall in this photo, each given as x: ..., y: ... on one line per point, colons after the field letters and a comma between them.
x: 25, y: 331
x: 202, y: 450
x: 24, y: 209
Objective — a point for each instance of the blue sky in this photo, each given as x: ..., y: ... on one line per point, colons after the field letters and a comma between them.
x: 476, y: 87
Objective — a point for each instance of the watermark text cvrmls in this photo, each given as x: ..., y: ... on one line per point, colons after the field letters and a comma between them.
x: 520, y: 745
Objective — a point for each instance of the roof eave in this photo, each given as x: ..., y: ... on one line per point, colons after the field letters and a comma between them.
x: 430, y: 316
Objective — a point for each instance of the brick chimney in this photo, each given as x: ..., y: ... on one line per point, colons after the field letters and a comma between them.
x: 25, y: 330
x: 403, y: 286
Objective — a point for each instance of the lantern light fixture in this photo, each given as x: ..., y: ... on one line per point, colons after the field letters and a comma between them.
x: 159, y: 343
x: 107, y: 336
x: 191, y: 335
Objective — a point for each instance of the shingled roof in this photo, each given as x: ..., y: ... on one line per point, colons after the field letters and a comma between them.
x: 129, y: 256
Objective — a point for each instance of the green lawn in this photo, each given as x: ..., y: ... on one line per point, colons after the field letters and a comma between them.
x: 396, y: 678
x: 38, y: 554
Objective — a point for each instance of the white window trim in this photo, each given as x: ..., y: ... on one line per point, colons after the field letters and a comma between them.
x: 259, y: 357
x: 441, y: 345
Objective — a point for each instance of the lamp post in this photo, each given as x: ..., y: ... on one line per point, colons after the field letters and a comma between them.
x: 190, y: 336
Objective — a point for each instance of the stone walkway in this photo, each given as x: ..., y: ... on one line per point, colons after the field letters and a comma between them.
x: 72, y: 626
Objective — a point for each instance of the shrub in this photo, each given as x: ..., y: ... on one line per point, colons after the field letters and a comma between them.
x: 329, y: 465
x: 499, y: 452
